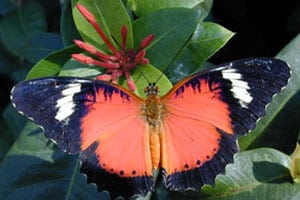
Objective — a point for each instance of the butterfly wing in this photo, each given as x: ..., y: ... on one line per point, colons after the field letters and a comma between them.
x: 96, y: 119
x: 207, y: 111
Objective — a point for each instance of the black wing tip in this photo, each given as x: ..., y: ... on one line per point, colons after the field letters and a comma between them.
x: 275, y: 73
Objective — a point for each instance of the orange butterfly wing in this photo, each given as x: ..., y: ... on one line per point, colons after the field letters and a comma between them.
x: 118, y: 136
x: 113, y: 122
x: 196, y: 128
x: 207, y: 111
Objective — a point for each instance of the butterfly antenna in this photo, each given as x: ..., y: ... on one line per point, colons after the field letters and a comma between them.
x: 161, y: 74
x: 143, y: 75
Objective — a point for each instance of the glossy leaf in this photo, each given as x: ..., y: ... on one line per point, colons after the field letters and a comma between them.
x: 76, y: 69
x: 26, y: 38
x: 51, y: 65
x: 14, y: 120
x: 290, y: 55
x: 6, y: 6
x: 146, y: 74
x: 207, y: 39
x: 295, y: 168
x: 205, y: 7
x: 40, y: 44
x: 67, y: 27
x: 144, y: 7
x: 256, y: 174
x: 20, y: 73
x: 111, y: 16
x: 42, y: 172
x: 6, y: 139
x: 167, y: 26
x: 20, y: 24
x: 283, y: 131
x: 7, y: 65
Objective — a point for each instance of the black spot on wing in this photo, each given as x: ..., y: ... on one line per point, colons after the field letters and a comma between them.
x: 194, y: 179
x: 111, y: 180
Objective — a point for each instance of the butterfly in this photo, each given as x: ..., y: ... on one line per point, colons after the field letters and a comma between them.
x: 189, y: 134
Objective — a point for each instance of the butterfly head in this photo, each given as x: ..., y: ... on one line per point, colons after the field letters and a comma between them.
x: 151, y: 89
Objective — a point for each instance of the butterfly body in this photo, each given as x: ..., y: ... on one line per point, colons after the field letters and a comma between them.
x: 153, y: 112
x: 189, y: 134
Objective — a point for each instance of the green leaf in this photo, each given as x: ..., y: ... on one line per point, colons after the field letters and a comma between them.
x: 289, y: 54
x: 110, y: 15
x: 20, y: 73
x: 144, y: 7
x: 255, y: 174
x: 20, y: 24
x: 76, y: 69
x: 67, y: 27
x: 51, y: 65
x: 205, y: 7
x: 283, y: 131
x: 35, y: 169
x: 295, y: 168
x: 207, y: 39
x: 146, y: 74
x: 166, y: 25
x: 14, y: 120
x: 6, y: 6
x: 7, y: 65
x: 6, y: 138
x: 40, y: 44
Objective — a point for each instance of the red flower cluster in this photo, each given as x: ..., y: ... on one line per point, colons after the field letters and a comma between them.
x: 121, y: 61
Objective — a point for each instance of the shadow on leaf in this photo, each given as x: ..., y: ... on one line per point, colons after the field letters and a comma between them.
x: 268, y: 172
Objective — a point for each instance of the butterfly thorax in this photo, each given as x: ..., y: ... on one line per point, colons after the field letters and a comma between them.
x: 153, y: 110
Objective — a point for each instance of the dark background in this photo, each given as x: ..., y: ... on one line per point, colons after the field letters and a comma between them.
x: 262, y: 27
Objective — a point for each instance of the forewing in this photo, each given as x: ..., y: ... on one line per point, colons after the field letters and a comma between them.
x: 207, y: 111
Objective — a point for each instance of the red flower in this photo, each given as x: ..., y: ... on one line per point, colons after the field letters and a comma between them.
x: 120, y: 62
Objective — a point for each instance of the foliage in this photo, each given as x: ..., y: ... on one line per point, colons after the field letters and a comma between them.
x: 32, y: 167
